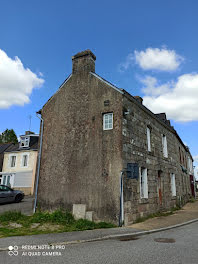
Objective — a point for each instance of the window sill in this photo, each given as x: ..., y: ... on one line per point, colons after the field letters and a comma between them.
x: 174, y: 198
x: 166, y: 158
x: 144, y: 201
x: 150, y: 153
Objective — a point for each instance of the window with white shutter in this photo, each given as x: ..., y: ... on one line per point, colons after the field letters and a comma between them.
x: 173, y: 185
x: 164, y: 146
x: 143, y: 183
x: 149, y: 138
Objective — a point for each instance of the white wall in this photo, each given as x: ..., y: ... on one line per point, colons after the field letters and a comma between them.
x: 23, y: 179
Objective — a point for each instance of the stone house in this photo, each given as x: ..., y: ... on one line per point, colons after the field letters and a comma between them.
x: 105, y: 154
x: 19, y: 164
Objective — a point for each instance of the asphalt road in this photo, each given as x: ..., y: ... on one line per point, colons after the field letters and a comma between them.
x: 25, y: 206
x: 176, y: 246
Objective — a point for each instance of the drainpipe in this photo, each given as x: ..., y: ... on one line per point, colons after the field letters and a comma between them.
x: 39, y: 160
x: 195, y: 196
x: 121, y: 220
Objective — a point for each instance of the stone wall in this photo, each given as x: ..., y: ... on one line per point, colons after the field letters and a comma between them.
x: 81, y: 162
x: 135, y: 150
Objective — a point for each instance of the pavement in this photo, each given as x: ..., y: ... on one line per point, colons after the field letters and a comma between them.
x: 25, y: 206
x: 188, y: 214
x: 175, y: 246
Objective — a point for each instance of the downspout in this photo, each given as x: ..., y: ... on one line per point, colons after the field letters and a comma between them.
x: 121, y: 219
x: 195, y: 195
x: 39, y: 161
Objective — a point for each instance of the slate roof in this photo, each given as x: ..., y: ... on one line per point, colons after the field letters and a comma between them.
x: 5, y: 146
x: 32, y: 146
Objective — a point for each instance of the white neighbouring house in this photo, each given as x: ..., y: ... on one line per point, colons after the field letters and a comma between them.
x: 19, y: 164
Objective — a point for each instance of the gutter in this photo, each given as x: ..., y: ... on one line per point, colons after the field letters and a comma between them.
x: 39, y: 160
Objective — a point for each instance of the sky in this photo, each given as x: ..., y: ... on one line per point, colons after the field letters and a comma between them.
x: 149, y: 48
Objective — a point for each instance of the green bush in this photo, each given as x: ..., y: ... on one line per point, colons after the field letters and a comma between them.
x: 104, y: 225
x: 84, y: 224
x: 58, y: 216
x: 40, y: 217
x: 11, y: 216
x: 64, y: 219
x: 192, y: 200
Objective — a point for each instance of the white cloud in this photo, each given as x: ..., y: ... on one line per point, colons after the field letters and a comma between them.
x: 158, y: 59
x: 129, y: 61
x: 178, y: 99
x: 16, y: 82
x: 41, y: 74
x: 152, y: 87
x: 195, y: 158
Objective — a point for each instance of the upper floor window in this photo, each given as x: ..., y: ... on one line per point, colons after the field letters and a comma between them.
x: 190, y: 164
x: 108, y: 121
x: 148, y: 138
x: 12, y: 161
x: 25, y: 160
x: 164, y: 146
x: 24, y: 142
x: 180, y: 155
x: 143, y: 183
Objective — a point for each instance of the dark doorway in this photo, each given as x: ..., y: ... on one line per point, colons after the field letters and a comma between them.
x: 192, y: 185
x: 159, y: 186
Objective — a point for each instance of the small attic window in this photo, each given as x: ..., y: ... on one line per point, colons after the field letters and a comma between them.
x: 24, y: 142
x: 125, y: 112
x: 106, y: 103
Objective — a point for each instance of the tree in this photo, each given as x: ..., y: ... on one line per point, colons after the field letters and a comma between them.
x: 8, y: 136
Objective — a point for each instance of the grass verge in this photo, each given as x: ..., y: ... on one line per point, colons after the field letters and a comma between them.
x: 16, y: 224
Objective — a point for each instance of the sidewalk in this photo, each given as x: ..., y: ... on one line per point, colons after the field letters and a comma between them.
x: 187, y: 213
x: 66, y: 237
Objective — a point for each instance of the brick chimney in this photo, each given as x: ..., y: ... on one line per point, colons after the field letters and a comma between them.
x: 83, y: 62
x: 139, y: 99
x: 29, y: 133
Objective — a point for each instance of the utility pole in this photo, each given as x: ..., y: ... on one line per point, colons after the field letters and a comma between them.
x: 30, y: 118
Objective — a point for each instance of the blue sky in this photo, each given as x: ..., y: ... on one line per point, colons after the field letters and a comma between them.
x: 147, y: 47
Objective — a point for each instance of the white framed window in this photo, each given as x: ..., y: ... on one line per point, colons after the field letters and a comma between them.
x: 12, y: 161
x: 148, y: 132
x: 164, y: 146
x: 190, y: 164
x: 108, y: 121
x: 24, y: 161
x: 173, y: 185
x: 25, y: 142
x: 143, y: 183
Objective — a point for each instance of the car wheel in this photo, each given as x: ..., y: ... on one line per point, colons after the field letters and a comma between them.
x: 18, y: 198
